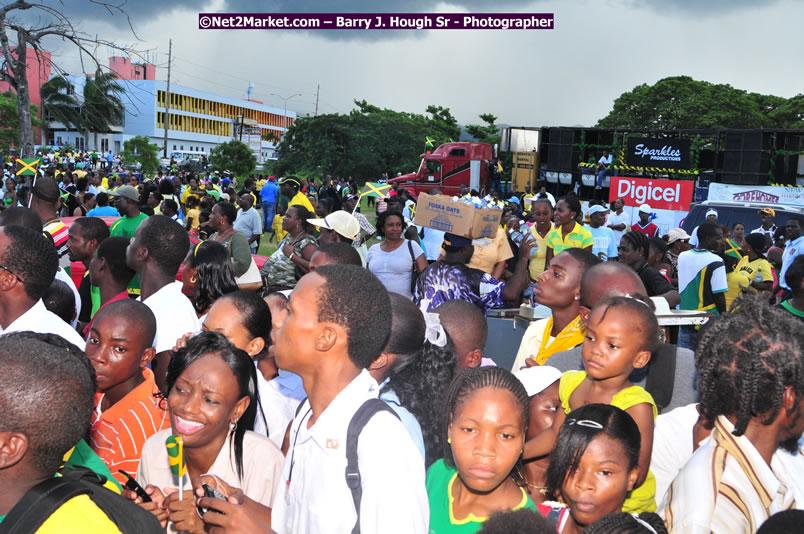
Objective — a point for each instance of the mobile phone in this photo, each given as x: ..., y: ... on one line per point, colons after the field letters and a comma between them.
x: 132, y: 485
x: 209, y: 491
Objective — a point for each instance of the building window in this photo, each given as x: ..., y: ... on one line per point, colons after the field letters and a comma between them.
x: 182, y: 147
x: 174, y: 147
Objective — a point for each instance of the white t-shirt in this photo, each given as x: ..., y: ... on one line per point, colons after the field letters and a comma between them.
x: 175, y: 316
x: 42, y: 321
x: 262, y: 465
x: 605, y: 160
x: 614, y: 219
x: 62, y: 275
x: 603, y: 242
x: 278, y: 404
x: 394, y: 268
x: 314, y: 496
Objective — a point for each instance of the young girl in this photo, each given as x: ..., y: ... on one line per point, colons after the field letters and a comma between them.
x: 486, y: 421
x: 594, y: 465
x: 620, y: 335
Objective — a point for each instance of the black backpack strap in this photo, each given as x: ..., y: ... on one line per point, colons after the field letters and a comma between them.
x: 39, y: 503
x: 362, y: 416
x: 662, y: 375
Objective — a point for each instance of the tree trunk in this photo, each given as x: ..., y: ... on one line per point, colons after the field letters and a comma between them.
x: 26, y: 147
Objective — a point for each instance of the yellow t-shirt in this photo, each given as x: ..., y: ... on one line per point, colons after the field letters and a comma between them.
x: 301, y: 200
x: 738, y: 281
x: 277, y: 228
x: 194, y: 213
x: 488, y: 255
x: 79, y: 515
x: 643, y: 498
x: 751, y: 268
x: 538, y: 260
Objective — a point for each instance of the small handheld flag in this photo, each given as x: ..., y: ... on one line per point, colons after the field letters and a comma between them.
x: 175, y: 450
x: 27, y: 167
x: 733, y: 249
x: 428, y: 141
x: 375, y: 189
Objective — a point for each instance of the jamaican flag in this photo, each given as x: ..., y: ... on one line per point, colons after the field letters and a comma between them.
x: 27, y: 167
x: 733, y: 249
x: 374, y: 189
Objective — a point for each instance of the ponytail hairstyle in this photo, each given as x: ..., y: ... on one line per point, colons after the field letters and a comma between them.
x: 242, y: 367
x: 466, y: 382
x: 638, y: 241
x: 580, y: 428
x: 213, y: 267
x: 421, y: 371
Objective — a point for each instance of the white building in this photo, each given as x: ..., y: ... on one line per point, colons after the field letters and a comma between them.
x: 198, y: 121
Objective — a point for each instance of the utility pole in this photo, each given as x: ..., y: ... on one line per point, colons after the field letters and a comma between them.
x: 285, y: 99
x: 167, y: 97
x: 317, y: 91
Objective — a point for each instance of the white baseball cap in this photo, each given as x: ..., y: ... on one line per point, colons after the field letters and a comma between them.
x: 537, y: 378
x: 644, y: 208
x: 711, y: 212
x: 342, y: 222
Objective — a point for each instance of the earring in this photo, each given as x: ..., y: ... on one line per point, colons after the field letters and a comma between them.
x: 577, y: 298
x: 232, y: 426
x: 449, y: 441
x: 193, y: 279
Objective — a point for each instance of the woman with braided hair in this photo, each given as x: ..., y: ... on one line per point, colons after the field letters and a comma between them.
x: 633, y: 251
x: 485, y: 418
x: 751, y: 384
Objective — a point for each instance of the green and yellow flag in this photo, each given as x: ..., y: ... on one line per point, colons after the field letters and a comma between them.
x: 733, y: 249
x: 27, y: 167
x: 374, y: 189
x: 428, y: 141
x: 175, y: 450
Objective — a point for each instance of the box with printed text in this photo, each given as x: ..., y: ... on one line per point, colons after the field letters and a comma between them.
x: 440, y: 212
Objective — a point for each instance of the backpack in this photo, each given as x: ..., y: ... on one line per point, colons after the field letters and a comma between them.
x: 41, y: 501
x: 362, y: 416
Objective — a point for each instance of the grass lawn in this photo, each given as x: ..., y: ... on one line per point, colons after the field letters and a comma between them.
x: 268, y: 248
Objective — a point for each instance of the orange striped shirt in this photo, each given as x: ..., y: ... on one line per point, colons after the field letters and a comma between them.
x: 118, y: 434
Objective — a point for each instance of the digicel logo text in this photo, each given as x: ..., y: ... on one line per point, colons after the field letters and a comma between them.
x: 646, y: 193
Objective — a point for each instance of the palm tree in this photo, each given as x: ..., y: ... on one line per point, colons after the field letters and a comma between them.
x: 99, y: 110
x: 59, y: 104
x: 103, y: 107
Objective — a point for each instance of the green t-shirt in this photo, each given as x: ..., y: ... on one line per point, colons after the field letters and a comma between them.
x: 125, y: 227
x: 440, y: 478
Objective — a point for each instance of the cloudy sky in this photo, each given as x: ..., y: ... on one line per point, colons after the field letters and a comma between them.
x: 566, y: 76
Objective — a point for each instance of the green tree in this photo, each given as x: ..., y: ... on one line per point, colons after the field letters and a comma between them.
x: 100, y: 108
x: 10, y: 120
x: 681, y: 102
x: 140, y: 150
x: 364, y: 144
x: 234, y: 156
x: 26, y: 28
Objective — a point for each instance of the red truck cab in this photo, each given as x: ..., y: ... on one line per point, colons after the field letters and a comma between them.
x: 450, y: 166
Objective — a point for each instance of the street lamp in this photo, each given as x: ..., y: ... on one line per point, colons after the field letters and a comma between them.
x: 285, y: 99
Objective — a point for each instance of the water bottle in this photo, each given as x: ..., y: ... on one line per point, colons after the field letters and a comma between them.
x: 517, y: 238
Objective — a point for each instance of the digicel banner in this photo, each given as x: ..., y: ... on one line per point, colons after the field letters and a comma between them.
x: 660, y: 194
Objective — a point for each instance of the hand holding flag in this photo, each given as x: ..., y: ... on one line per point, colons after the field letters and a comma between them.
x: 175, y: 450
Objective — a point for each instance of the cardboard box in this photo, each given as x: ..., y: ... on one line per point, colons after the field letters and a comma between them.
x: 440, y: 212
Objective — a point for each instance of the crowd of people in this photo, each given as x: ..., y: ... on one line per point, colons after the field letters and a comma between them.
x: 345, y: 388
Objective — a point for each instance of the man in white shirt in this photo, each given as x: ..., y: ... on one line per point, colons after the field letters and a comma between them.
x: 248, y: 221
x: 156, y: 252
x: 751, y: 385
x: 28, y: 264
x: 337, y: 323
x: 618, y: 220
x: 604, y: 164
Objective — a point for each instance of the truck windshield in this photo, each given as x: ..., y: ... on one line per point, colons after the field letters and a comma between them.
x: 433, y: 169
